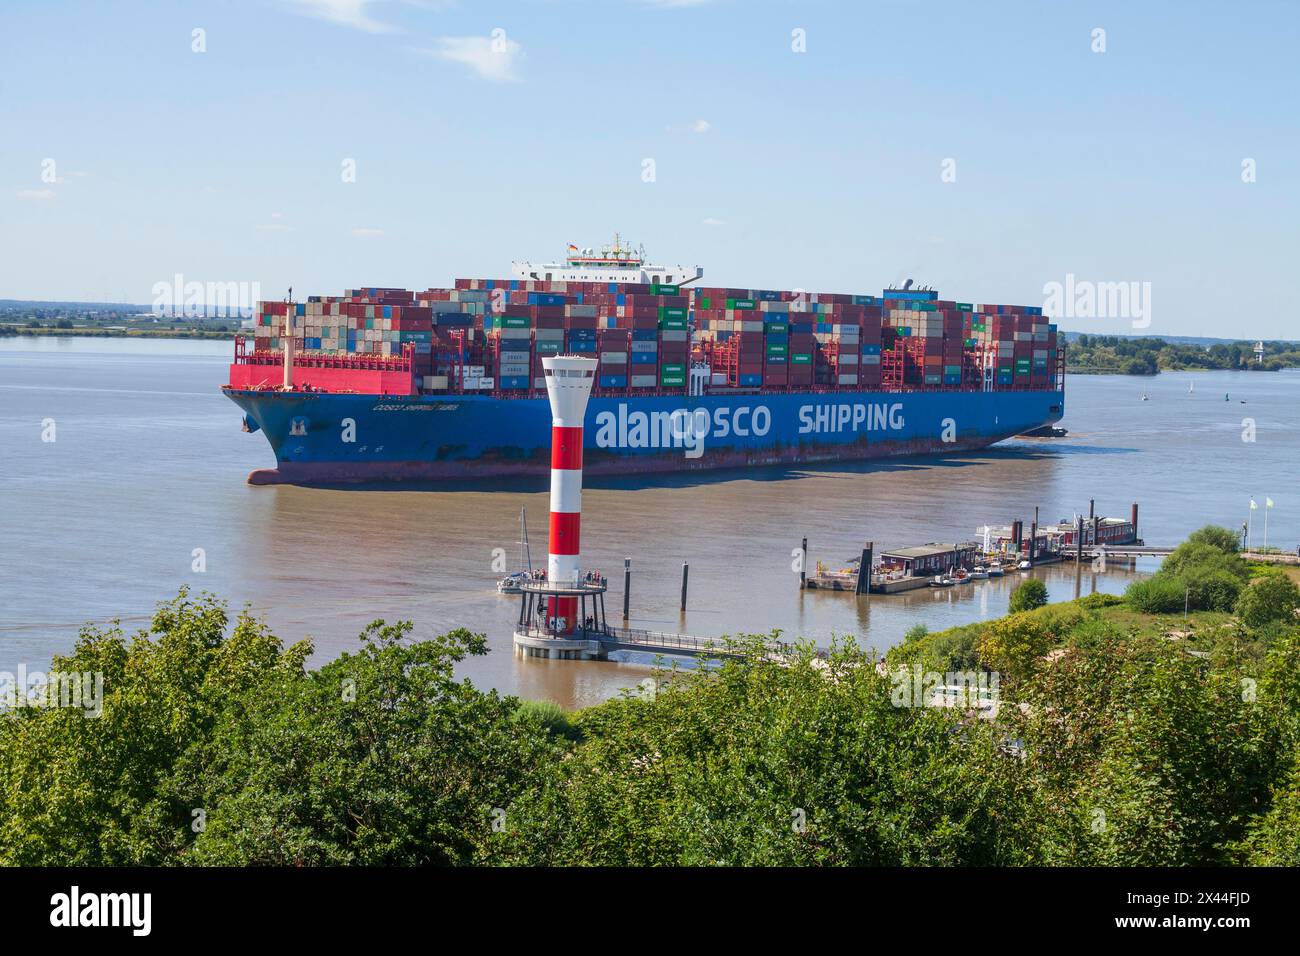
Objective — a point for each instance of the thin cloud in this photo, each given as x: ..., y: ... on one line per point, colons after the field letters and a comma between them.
x: 36, y: 195
x: 710, y: 221
x: 348, y: 13
x: 701, y: 126
x: 363, y: 232
x: 492, y: 58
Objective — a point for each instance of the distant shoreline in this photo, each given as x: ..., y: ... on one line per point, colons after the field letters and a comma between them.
x: 98, y: 333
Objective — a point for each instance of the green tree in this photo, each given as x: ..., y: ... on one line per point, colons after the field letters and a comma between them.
x: 1216, y: 537
x: 1028, y: 595
x: 379, y: 758
x: 81, y: 790
x: 915, y: 633
x: 1271, y: 597
x: 795, y: 762
x: 1011, y: 645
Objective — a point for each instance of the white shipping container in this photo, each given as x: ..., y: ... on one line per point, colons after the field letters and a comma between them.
x: 643, y: 381
x: 848, y: 379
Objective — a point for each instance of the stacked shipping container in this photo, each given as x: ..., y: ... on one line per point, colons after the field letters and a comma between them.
x: 491, y: 334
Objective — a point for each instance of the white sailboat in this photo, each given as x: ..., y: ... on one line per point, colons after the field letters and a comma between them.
x: 511, y: 583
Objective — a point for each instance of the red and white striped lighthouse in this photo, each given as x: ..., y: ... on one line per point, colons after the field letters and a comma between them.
x: 568, y: 386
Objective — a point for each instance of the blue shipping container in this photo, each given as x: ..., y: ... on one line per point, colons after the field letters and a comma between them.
x: 616, y: 381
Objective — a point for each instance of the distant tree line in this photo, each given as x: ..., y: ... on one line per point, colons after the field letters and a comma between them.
x: 1147, y: 356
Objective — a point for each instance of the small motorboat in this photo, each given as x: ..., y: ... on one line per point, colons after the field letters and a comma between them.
x: 1025, y: 565
x: 942, y: 581
x: 512, y: 583
x: 995, y: 571
x: 979, y: 573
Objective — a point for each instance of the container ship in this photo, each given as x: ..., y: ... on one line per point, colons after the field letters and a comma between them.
x: 384, y: 384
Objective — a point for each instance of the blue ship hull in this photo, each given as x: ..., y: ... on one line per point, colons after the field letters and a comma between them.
x: 333, y: 437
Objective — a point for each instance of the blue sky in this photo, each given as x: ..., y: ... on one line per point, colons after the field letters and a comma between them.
x: 773, y: 168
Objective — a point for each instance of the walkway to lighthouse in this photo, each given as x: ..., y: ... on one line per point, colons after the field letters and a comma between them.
x: 592, y: 637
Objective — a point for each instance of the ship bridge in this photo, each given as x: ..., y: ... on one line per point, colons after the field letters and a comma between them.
x: 616, y: 262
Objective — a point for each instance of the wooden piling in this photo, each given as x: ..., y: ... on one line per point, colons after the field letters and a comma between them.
x: 627, y: 586
x: 686, y: 571
x: 863, y: 585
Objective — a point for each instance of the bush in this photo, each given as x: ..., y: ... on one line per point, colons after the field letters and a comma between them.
x: 1029, y: 595
x: 1273, y: 597
x: 1011, y: 645
x: 1212, y: 590
x: 1193, y: 556
x: 550, y: 716
x: 1161, y: 594
x: 1216, y: 537
x: 915, y: 633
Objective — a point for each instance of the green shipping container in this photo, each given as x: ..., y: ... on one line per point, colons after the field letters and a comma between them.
x: 740, y: 303
x: 800, y: 358
x: 675, y: 325
x: 672, y: 369
x: 671, y: 380
x: 965, y: 307
x: 776, y: 328
x: 658, y: 289
x: 777, y: 348
x: 704, y: 303
x: 671, y: 312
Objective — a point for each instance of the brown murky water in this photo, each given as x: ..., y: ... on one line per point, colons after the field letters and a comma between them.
x: 149, y: 464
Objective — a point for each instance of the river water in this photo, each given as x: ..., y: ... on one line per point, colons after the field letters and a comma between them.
x: 148, y: 464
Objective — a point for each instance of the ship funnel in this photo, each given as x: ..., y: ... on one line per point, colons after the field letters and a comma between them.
x: 568, y: 386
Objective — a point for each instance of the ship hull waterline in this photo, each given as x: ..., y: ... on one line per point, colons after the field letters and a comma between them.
x: 335, y: 438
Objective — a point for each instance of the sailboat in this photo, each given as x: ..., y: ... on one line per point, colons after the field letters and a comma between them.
x: 512, y: 583
x: 1191, y: 388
